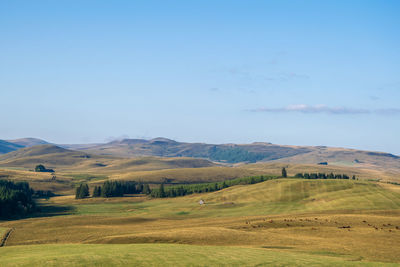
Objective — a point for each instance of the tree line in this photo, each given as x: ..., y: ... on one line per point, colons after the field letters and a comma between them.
x: 187, y: 189
x: 324, y: 176
x: 113, y: 189
x: 120, y: 188
x: 16, y: 199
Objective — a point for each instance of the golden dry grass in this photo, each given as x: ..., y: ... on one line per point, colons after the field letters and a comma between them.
x: 287, y: 214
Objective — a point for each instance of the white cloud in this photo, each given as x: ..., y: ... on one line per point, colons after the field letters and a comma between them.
x: 303, y: 108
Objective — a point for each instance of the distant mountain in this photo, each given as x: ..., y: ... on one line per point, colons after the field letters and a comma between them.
x: 42, y: 154
x: 222, y: 153
x: 28, y: 142
x: 59, y: 158
x: 163, y: 147
x: 6, y: 146
x: 247, y: 153
x: 12, y: 145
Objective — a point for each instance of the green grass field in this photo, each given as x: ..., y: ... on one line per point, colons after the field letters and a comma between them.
x: 277, y: 222
x: 282, y: 196
x: 166, y: 255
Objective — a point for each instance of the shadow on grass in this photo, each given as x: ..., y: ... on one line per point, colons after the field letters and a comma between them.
x: 48, y: 210
x: 42, y: 211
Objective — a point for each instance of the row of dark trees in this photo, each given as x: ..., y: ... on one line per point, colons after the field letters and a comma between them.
x: 113, y: 189
x: 16, y: 199
x: 187, y: 189
x: 324, y: 176
x: 120, y: 188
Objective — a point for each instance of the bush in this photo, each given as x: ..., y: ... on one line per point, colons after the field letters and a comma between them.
x: 42, y: 168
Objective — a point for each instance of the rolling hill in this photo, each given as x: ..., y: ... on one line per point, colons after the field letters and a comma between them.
x: 28, y: 142
x: 248, y: 153
x: 224, y: 153
x: 6, y: 147
x: 62, y: 159
x: 352, y: 220
x: 163, y: 147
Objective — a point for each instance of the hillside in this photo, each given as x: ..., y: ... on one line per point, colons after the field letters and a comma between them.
x: 226, y: 153
x: 163, y: 147
x: 336, y: 218
x: 50, y: 155
x: 248, y: 153
x: 347, y: 157
x: 28, y: 142
x: 6, y: 147
x: 63, y: 159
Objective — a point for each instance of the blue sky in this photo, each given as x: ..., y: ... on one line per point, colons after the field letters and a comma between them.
x: 286, y: 72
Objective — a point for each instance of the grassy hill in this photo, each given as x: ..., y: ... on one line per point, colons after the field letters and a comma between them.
x: 63, y: 159
x: 284, y: 217
x: 348, y: 157
x: 228, y: 154
x: 6, y: 147
x: 163, y: 147
x: 27, y: 142
x: 248, y: 153
x: 274, y: 168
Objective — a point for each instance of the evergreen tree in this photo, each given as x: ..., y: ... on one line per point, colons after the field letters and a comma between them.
x: 97, y: 191
x: 146, y: 189
x: 284, y: 173
x: 162, y: 191
x: 82, y: 191
x: 78, y: 192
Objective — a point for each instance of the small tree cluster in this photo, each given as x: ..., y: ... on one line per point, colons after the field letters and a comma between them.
x: 323, y: 176
x: 42, y: 168
x: 82, y: 191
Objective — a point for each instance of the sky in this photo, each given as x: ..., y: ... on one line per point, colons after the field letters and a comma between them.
x: 285, y: 72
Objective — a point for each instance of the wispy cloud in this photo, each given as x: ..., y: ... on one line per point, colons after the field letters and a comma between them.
x: 388, y: 111
x: 339, y: 110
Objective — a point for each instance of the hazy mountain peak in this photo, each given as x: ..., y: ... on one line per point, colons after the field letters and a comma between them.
x: 28, y: 142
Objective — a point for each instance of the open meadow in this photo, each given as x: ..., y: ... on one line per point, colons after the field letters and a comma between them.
x: 278, y: 222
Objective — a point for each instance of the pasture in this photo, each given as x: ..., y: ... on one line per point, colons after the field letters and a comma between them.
x: 167, y: 255
x: 284, y: 221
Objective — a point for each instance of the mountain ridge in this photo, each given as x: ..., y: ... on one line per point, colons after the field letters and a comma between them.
x: 226, y: 153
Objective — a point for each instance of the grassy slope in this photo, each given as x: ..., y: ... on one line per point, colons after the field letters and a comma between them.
x: 2, y: 231
x: 158, y: 169
x: 347, y: 158
x: 61, y: 159
x: 237, y: 216
x: 362, y: 173
x: 163, y: 255
x: 281, y: 196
